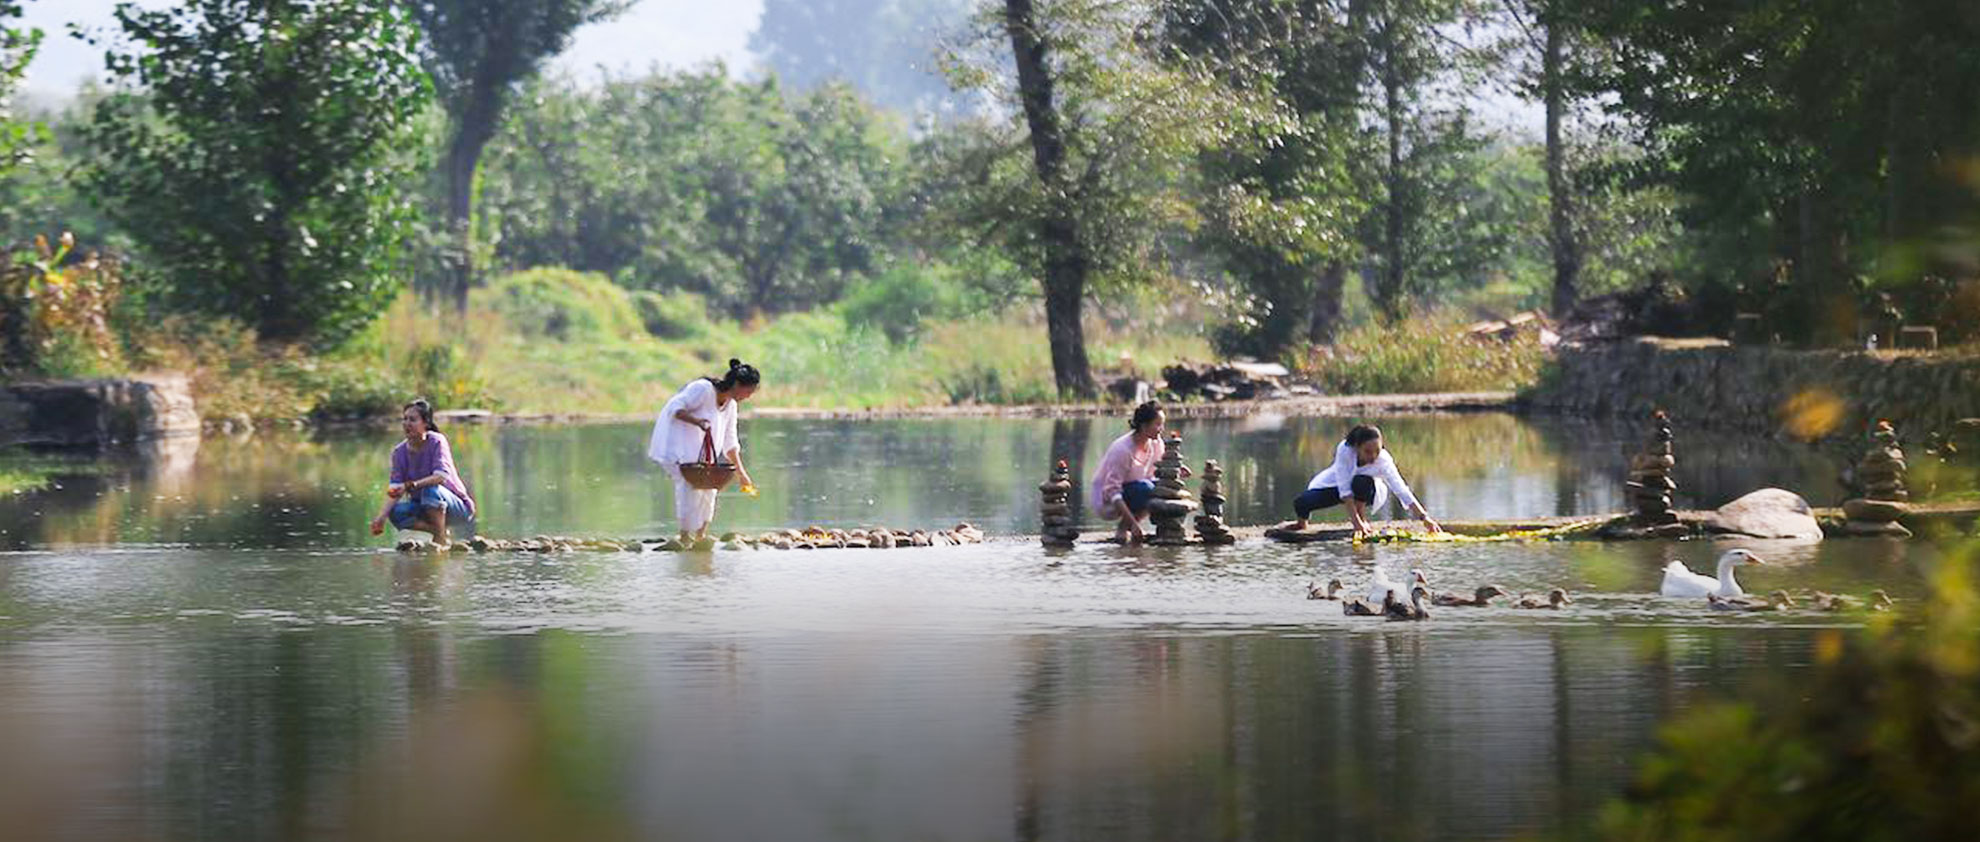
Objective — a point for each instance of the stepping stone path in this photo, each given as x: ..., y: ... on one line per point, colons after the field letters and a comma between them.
x: 1210, y: 524
x: 1055, y: 513
x: 812, y: 538
x: 1881, y: 473
x: 1173, y: 502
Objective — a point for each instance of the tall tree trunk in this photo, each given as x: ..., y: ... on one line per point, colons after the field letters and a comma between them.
x: 1560, y: 199
x: 1324, y: 317
x: 1389, y: 295
x: 474, y: 126
x: 1066, y: 258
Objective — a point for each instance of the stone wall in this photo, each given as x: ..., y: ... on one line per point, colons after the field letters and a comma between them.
x: 95, y: 413
x: 1805, y: 394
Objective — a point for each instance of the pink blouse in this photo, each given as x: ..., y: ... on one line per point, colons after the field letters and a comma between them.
x: 1125, y: 462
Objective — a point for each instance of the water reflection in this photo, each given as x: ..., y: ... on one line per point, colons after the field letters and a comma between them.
x: 301, y: 491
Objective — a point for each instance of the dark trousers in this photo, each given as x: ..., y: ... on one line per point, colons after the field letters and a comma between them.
x: 1315, y: 499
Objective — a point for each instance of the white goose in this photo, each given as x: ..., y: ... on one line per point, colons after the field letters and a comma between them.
x: 1680, y: 581
x: 1381, y: 585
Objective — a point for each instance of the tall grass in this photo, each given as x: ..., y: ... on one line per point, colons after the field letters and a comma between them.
x: 1428, y: 355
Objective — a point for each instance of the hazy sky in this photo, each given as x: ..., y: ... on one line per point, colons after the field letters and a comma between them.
x: 672, y: 33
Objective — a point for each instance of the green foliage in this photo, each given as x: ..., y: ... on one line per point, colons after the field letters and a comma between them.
x: 671, y: 315
x: 251, y: 149
x: 1424, y: 355
x: 760, y: 200
x: 564, y: 305
x: 18, y: 46
x: 1881, y: 742
x: 900, y: 301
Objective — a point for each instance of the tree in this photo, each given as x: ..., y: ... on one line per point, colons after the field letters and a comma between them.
x: 761, y: 199
x: 478, y: 51
x: 251, y: 148
x: 17, y: 48
x: 1545, y: 35
x: 886, y: 49
x: 1080, y: 182
x: 1282, y: 209
x: 1827, y: 130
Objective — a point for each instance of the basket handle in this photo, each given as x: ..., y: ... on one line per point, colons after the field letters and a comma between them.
x: 708, y: 446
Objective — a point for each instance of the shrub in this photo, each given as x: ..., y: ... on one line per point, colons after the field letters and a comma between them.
x: 672, y: 315
x: 55, y: 312
x: 564, y: 305
x: 896, y: 302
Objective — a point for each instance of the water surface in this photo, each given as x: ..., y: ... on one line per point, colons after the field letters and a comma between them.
x: 206, y: 645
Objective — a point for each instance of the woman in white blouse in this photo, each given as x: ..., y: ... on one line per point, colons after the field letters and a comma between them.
x: 704, y: 408
x: 1362, y: 477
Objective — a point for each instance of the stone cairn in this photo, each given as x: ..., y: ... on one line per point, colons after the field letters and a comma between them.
x: 1055, y: 508
x: 1650, y: 484
x: 1210, y: 527
x: 1881, y: 474
x: 1172, y: 503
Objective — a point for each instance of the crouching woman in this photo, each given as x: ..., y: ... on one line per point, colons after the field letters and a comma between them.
x: 426, y: 491
x: 1124, y: 485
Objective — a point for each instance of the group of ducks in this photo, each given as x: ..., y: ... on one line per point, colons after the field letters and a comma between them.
x: 1723, y: 593
x: 1384, y: 597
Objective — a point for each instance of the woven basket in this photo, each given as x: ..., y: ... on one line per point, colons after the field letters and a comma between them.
x: 708, y: 474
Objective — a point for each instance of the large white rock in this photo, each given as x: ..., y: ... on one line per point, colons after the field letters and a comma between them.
x: 1767, y: 513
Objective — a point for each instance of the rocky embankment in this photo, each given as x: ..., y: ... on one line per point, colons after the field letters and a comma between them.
x: 1804, y: 394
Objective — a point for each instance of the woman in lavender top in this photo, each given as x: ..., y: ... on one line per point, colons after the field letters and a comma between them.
x: 426, y: 491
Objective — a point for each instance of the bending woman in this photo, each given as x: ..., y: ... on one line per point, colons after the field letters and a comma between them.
x: 702, y: 409
x: 1125, y: 483
x: 1362, y: 476
x: 426, y: 492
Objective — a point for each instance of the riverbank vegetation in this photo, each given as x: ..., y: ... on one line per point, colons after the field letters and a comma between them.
x: 413, y: 204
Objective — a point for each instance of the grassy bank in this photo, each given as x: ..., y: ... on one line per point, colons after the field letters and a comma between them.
x: 555, y: 341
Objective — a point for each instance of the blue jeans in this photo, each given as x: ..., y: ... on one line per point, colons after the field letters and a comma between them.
x: 1137, y: 494
x: 1315, y: 499
x: 406, y: 512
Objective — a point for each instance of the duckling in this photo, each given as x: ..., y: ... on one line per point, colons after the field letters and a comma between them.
x: 1414, y: 610
x: 1555, y: 599
x: 1776, y: 601
x: 1480, y: 599
x: 1837, y: 603
x: 1332, y: 591
x: 1358, y: 607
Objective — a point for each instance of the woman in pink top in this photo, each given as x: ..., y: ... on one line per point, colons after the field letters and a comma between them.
x: 1125, y: 483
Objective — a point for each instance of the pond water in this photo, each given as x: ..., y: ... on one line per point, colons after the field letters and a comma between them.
x: 204, y: 643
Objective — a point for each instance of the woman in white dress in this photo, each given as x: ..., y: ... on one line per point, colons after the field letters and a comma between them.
x: 704, y: 408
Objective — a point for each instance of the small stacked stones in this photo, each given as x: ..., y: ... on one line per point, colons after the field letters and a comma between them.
x: 1055, y: 508
x: 1210, y: 523
x: 1882, y: 475
x: 1650, y: 484
x: 1172, y: 501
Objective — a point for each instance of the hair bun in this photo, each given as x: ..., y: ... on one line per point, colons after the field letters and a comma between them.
x: 734, y: 363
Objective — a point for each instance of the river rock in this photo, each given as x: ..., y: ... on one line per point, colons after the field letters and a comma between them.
x: 1880, y: 511
x: 1767, y: 513
x: 95, y: 413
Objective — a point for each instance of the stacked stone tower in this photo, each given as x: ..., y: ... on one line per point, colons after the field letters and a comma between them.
x: 1210, y: 523
x: 1881, y: 474
x: 1650, y: 485
x: 1173, y: 502
x: 1055, y: 508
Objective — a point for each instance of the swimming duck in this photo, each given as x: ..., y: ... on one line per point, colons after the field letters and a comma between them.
x: 1415, y: 609
x: 1555, y: 599
x: 1332, y: 591
x: 1680, y: 581
x: 1776, y: 601
x: 1479, y: 599
x: 1381, y: 586
x: 1358, y: 607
